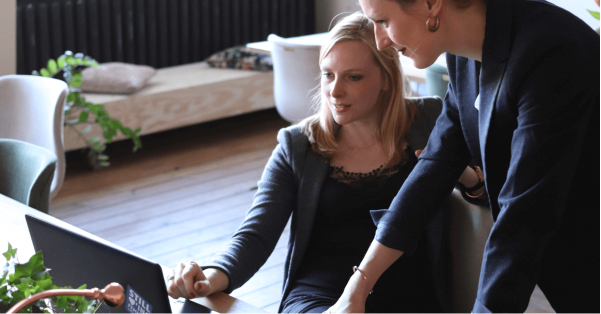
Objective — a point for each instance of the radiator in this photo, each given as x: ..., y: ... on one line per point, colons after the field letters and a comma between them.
x: 158, y: 33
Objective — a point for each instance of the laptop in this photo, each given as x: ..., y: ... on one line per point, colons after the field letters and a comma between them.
x: 75, y: 260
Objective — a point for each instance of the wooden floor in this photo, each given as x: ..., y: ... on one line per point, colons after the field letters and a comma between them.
x: 183, y: 195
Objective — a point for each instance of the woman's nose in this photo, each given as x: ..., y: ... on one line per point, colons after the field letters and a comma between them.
x: 337, y: 89
x: 382, y: 40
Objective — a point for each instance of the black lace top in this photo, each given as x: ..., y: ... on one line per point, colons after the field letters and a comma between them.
x: 342, y: 232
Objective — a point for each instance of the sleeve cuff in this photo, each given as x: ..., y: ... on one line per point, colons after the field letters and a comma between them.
x: 229, y: 289
x: 480, y: 308
x: 391, y: 237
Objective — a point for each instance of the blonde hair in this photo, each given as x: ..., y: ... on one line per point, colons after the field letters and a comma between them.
x: 394, y: 112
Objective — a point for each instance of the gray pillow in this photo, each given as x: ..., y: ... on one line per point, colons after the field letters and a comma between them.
x: 115, y: 78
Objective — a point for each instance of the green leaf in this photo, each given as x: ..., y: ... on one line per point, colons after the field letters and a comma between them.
x: 44, y: 72
x: 87, y: 129
x: 75, y: 83
x: 71, y: 61
x: 71, y: 97
x: 4, y: 293
x: 98, y: 108
x: 96, y: 144
x: 34, y: 266
x: 10, y: 252
x: 113, y: 123
x: 52, y: 67
x: 83, y: 116
x: 90, y: 63
x: 76, y: 79
x: 93, y: 139
x: 61, y: 61
x: 108, y: 134
x: 594, y: 14
x: 62, y: 301
x: 78, y: 99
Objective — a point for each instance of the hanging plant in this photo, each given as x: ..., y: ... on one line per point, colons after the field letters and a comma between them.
x: 80, y: 111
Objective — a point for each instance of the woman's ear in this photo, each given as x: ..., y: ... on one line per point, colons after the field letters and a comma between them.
x: 434, y: 7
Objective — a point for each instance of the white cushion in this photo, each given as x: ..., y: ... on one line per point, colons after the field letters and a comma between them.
x: 115, y: 78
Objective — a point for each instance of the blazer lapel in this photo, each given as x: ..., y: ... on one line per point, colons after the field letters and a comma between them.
x: 495, y: 53
x: 313, y: 175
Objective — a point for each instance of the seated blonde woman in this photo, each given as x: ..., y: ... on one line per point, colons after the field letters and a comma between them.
x: 329, y: 172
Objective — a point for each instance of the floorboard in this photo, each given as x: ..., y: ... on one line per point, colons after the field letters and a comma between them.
x: 183, y: 195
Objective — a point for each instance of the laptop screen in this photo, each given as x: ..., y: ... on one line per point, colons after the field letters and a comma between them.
x: 75, y: 260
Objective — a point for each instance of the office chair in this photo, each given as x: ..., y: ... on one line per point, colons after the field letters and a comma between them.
x: 469, y: 228
x: 26, y: 172
x: 296, y: 74
x: 33, y: 111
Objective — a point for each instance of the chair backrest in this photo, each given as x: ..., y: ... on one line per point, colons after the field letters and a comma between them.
x: 437, y: 80
x: 469, y: 228
x: 26, y: 173
x: 295, y: 76
x: 33, y: 111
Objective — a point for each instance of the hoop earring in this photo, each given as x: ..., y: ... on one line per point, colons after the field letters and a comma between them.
x: 434, y: 28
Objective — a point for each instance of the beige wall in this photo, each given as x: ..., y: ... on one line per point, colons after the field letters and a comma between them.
x: 8, y: 37
x: 326, y: 10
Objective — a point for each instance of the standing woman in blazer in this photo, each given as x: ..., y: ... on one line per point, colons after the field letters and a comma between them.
x: 523, y: 103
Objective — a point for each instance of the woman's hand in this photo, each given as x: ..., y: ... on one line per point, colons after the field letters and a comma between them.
x: 189, y: 281
x: 376, y: 260
x: 345, y: 305
x: 419, y: 152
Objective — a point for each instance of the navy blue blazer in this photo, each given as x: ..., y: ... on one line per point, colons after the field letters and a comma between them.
x: 535, y: 135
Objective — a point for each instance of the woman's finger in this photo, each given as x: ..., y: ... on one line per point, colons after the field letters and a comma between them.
x: 191, y: 273
x: 179, y: 281
x: 169, y: 283
x: 419, y: 152
x: 172, y: 288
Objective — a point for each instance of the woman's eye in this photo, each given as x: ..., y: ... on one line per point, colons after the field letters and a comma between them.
x: 355, y: 77
x: 381, y: 22
x: 326, y: 75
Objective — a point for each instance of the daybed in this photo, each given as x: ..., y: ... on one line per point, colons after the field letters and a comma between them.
x: 183, y: 95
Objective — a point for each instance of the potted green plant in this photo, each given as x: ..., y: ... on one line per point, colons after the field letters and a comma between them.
x: 19, y: 281
x: 80, y: 111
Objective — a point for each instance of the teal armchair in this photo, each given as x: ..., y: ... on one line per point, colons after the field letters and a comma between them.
x: 26, y: 173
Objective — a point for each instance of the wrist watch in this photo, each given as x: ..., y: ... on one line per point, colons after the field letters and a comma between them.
x: 469, y: 191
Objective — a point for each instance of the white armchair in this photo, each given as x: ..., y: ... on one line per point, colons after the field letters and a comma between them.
x: 296, y: 74
x: 33, y: 111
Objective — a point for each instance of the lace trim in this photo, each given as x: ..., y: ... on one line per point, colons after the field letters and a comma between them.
x: 375, y: 178
x: 359, y: 179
